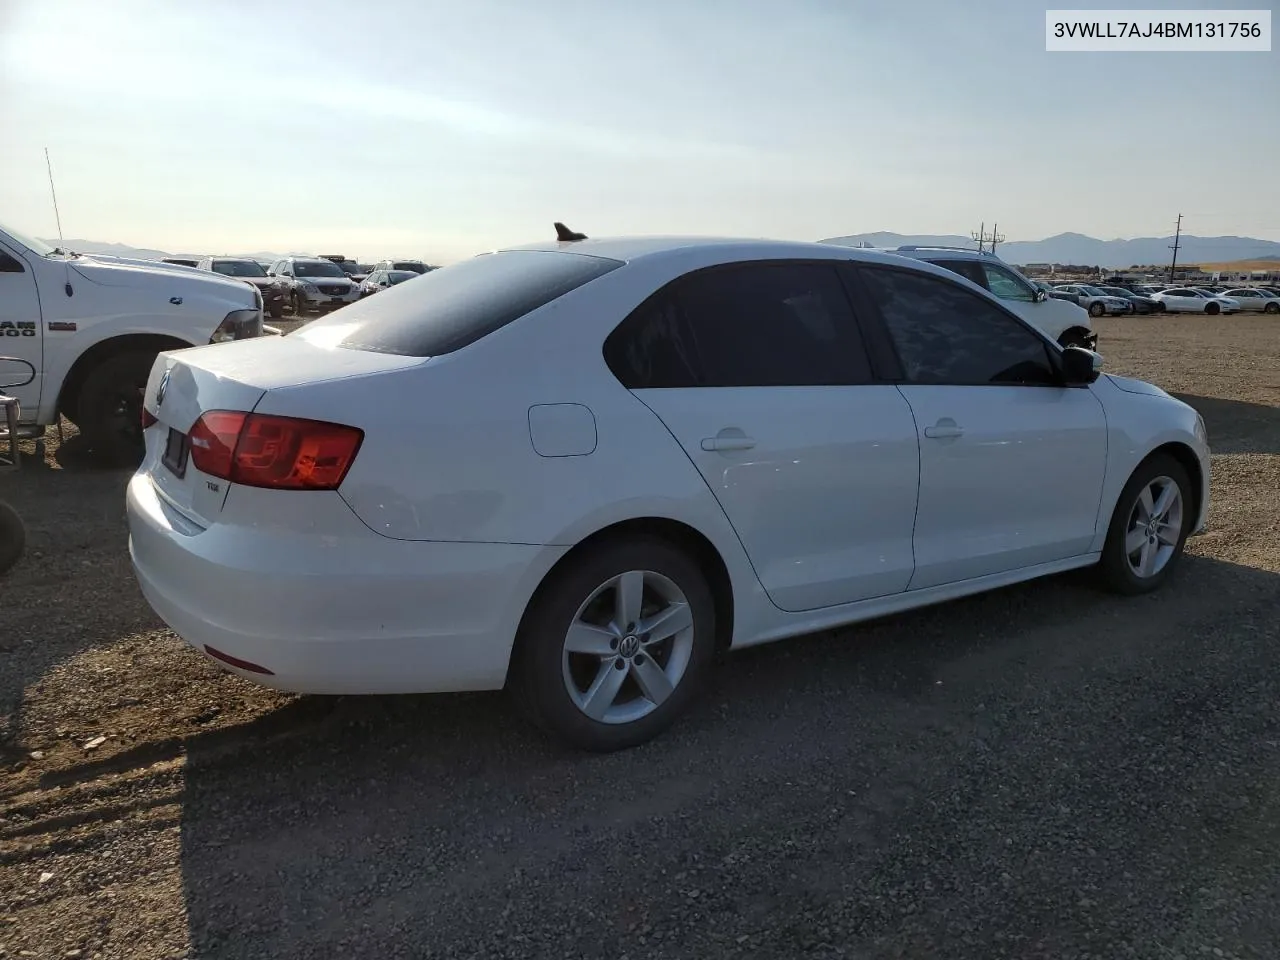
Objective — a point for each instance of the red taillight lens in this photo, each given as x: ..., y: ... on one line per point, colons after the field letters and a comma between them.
x: 213, y: 441
x: 283, y: 453
x: 148, y: 418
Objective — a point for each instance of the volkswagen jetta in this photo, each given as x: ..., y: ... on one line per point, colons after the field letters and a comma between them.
x: 578, y: 469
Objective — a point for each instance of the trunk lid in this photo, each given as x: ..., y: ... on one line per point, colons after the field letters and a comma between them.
x: 184, y: 384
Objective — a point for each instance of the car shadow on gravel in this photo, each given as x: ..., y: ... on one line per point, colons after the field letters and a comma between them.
x: 1236, y: 426
x: 1044, y: 769
x: 73, y: 587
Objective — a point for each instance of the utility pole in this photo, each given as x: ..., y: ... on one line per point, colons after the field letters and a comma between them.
x: 1177, y: 237
x: 981, y: 237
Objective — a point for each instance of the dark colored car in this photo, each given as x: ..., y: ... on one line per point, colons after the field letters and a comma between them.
x: 1141, y: 304
x: 275, y: 293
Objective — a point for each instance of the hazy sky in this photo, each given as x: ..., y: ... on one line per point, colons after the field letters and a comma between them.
x: 438, y: 129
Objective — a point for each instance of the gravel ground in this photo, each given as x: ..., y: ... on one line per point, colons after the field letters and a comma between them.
x: 1047, y: 771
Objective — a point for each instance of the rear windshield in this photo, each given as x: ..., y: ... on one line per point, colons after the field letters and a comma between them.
x: 444, y: 310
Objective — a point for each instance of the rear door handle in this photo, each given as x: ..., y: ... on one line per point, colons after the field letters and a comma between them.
x: 944, y: 429
x: 729, y: 439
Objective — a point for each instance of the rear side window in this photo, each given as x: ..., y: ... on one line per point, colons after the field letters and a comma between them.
x: 772, y: 324
x: 444, y: 310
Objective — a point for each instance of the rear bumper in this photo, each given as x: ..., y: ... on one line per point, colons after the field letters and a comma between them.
x: 334, y: 609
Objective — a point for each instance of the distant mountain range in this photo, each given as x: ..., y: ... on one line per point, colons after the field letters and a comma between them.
x: 1064, y: 248
x: 1078, y: 249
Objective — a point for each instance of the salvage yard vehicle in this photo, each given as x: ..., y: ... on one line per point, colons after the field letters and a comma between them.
x: 1062, y: 321
x: 1254, y: 300
x: 578, y: 469
x: 275, y: 293
x: 1097, y: 301
x: 1192, y: 300
x: 91, y: 328
x: 316, y: 285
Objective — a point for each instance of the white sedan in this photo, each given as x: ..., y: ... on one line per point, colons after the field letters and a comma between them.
x: 1191, y: 300
x: 579, y: 469
x: 1255, y: 300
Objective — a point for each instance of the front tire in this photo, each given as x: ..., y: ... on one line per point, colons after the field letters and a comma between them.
x: 1097, y: 309
x: 276, y: 311
x: 616, y: 646
x: 13, y: 537
x: 1075, y: 337
x: 1212, y: 309
x: 1149, y: 527
x: 1272, y: 308
x: 109, y: 409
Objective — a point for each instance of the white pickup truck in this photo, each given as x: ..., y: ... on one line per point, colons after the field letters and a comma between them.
x: 83, y: 333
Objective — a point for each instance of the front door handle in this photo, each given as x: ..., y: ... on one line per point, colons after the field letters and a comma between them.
x: 944, y: 429
x: 730, y: 438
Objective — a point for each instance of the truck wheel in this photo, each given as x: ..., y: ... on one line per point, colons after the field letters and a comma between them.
x: 109, y: 411
x: 13, y: 537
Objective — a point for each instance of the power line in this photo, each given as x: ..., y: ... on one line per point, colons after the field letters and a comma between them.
x: 1177, y: 237
x: 981, y: 237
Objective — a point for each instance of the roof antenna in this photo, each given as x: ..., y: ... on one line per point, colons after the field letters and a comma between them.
x: 565, y: 235
x: 66, y: 257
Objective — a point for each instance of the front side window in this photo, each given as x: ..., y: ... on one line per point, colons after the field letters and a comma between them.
x: 944, y: 334
x: 1005, y: 285
x: 766, y: 324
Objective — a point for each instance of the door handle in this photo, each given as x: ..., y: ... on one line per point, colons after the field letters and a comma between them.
x: 727, y: 441
x: 944, y: 429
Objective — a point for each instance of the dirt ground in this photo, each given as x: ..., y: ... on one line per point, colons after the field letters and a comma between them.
x: 1047, y: 771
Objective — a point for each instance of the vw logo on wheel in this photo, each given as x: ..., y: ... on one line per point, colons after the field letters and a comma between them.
x: 164, y: 386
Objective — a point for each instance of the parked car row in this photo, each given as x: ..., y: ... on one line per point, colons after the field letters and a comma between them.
x: 1147, y: 298
x: 302, y: 285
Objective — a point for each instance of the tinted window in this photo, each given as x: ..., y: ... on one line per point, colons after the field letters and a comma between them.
x: 749, y: 325
x: 444, y: 310
x: 945, y: 334
x: 1005, y: 285
x: 9, y: 264
x: 238, y: 268
x: 317, y: 268
x: 968, y: 269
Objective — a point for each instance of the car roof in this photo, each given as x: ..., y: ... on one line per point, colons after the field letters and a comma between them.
x: 630, y: 249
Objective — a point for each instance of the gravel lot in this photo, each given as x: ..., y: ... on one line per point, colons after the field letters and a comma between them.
x: 1047, y: 771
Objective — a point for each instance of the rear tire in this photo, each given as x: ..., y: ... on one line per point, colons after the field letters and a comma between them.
x: 601, y: 685
x: 109, y: 409
x: 1145, y: 541
x: 13, y: 537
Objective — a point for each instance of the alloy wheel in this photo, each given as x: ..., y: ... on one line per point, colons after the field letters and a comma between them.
x: 1154, y: 528
x: 628, y: 647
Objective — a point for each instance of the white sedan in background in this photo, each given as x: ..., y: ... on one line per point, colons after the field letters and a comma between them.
x: 1190, y: 300
x: 1096, y: 300
x: 1254, y: 300
x: 578, y: 469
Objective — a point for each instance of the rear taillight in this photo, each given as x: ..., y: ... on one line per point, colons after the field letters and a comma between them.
x: 284, y: 453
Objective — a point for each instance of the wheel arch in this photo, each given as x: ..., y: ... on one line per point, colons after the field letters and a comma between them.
x: 1187, y: 459
x: 69, y: 395
x: 675, y: 532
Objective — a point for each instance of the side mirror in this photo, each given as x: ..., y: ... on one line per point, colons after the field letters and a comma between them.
x: 1080, y: 366
x: 1040, y: 296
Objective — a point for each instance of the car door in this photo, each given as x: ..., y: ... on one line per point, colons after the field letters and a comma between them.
x: 759, y: 372
x: 1011, y: 463
x: 21, y: 333
x: 1183, y: 300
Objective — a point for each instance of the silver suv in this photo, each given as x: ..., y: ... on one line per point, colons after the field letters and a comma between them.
x: 315, y: 285
x: 1060, y: 320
